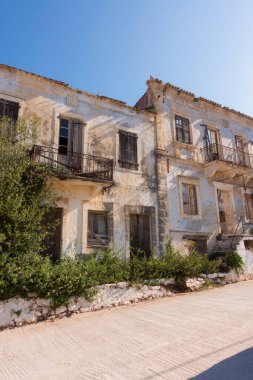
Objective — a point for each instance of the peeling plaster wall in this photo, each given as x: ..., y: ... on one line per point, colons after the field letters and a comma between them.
x: 103, y: 119
x: 185, y: 160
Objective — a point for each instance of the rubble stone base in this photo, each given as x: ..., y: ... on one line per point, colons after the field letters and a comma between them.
x: 17, y: 311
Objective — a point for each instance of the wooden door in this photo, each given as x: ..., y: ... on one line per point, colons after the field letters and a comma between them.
x: 226, y: 211
x: 53, y: 240
x: 140, y: 233
x: 240, y: 150
x: 212, y: 144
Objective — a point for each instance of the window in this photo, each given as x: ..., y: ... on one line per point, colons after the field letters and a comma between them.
x: 249, y: 206
x: 9, y: 109
x: 197, y: 244
x: 211, y: 137
x: 189, y: 197
x: 183, y: 130
x: 97, y: 228
x: 128, y: 150
x: 239, y: 143
x: 63, y: 136
x: 70, y: 136
x: 212, y: 147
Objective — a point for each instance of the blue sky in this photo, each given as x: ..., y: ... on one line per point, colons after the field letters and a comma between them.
x: 110, y: 47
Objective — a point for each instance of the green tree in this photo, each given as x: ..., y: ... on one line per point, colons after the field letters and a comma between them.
x: 25, y: 197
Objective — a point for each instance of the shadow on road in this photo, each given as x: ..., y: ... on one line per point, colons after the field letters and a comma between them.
x: 237, y: 367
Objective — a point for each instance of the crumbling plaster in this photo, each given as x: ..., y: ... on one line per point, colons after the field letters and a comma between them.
x: 187, y: 160
x: 102, y: 118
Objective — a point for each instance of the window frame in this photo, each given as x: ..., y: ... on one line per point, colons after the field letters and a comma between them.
x: 72, y: 122
x: 183, y: 140
x: 127, y: 162
x: 99, y: 241
x: 9, y: 103
x: 193, y: 182
x: 248, y: 206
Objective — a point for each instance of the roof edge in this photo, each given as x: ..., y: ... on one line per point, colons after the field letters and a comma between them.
x: 66, y: 85
x: 196, y: 98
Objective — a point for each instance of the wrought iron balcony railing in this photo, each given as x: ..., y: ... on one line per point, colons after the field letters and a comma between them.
x: 222, y: 153
x: 75, y: 164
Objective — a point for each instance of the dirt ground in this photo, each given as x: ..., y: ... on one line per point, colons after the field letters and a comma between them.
x: 204, y: 335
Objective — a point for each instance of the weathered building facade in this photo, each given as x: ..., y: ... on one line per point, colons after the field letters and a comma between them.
x: 206, y: 155
x: 104, y: 152
x: 130, y: 177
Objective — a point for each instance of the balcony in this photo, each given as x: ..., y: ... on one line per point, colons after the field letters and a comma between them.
x: 221, y: 161
x: 74, y: 165
x: 229, y: 155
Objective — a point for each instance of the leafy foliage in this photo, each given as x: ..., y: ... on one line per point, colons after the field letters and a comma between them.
x: 234, y: 261
x: 23, y: 274
x: 25, y: 197
x: 229, y: 260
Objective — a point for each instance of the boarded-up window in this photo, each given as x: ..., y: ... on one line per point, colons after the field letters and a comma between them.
x: 9, y: 109
x: 128, y: 150
x: 183, y: 130
x: 97, y: 228
x: 140, y: 233
x: 189, y: 196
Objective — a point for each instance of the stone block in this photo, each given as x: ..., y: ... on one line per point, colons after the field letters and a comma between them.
x: 42, y: 302
x: 157, y: 287
x: 60, y: 310
x: 212, y: 276
x: 169, y: 281
x: 122, y: 285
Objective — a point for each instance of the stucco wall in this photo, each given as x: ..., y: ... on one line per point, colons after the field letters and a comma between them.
x: 102, y: 119
x: 186, y: 161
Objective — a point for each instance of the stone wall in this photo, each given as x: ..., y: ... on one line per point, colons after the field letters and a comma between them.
x: 17, y: 311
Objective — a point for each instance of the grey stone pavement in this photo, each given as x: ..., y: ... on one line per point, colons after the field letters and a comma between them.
x: 203, y: 335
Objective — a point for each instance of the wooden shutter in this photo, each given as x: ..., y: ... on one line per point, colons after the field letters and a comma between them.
x: 123, y: 146
x: 132, y: 145
x: 128, y: 150
x: 193, y: 199
x: 77, y: 136
x: 186, y: 199
x: 140, y: 233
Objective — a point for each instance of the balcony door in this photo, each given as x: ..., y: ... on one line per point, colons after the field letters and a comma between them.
x: 70, y: 143
x: 240, y: 156
x: 211, y: 140
x: 226, y: 211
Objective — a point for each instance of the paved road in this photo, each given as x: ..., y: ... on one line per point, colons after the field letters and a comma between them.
x: 205, y: 335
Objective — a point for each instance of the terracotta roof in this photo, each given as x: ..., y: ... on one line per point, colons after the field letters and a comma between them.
x: 103, y: 98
